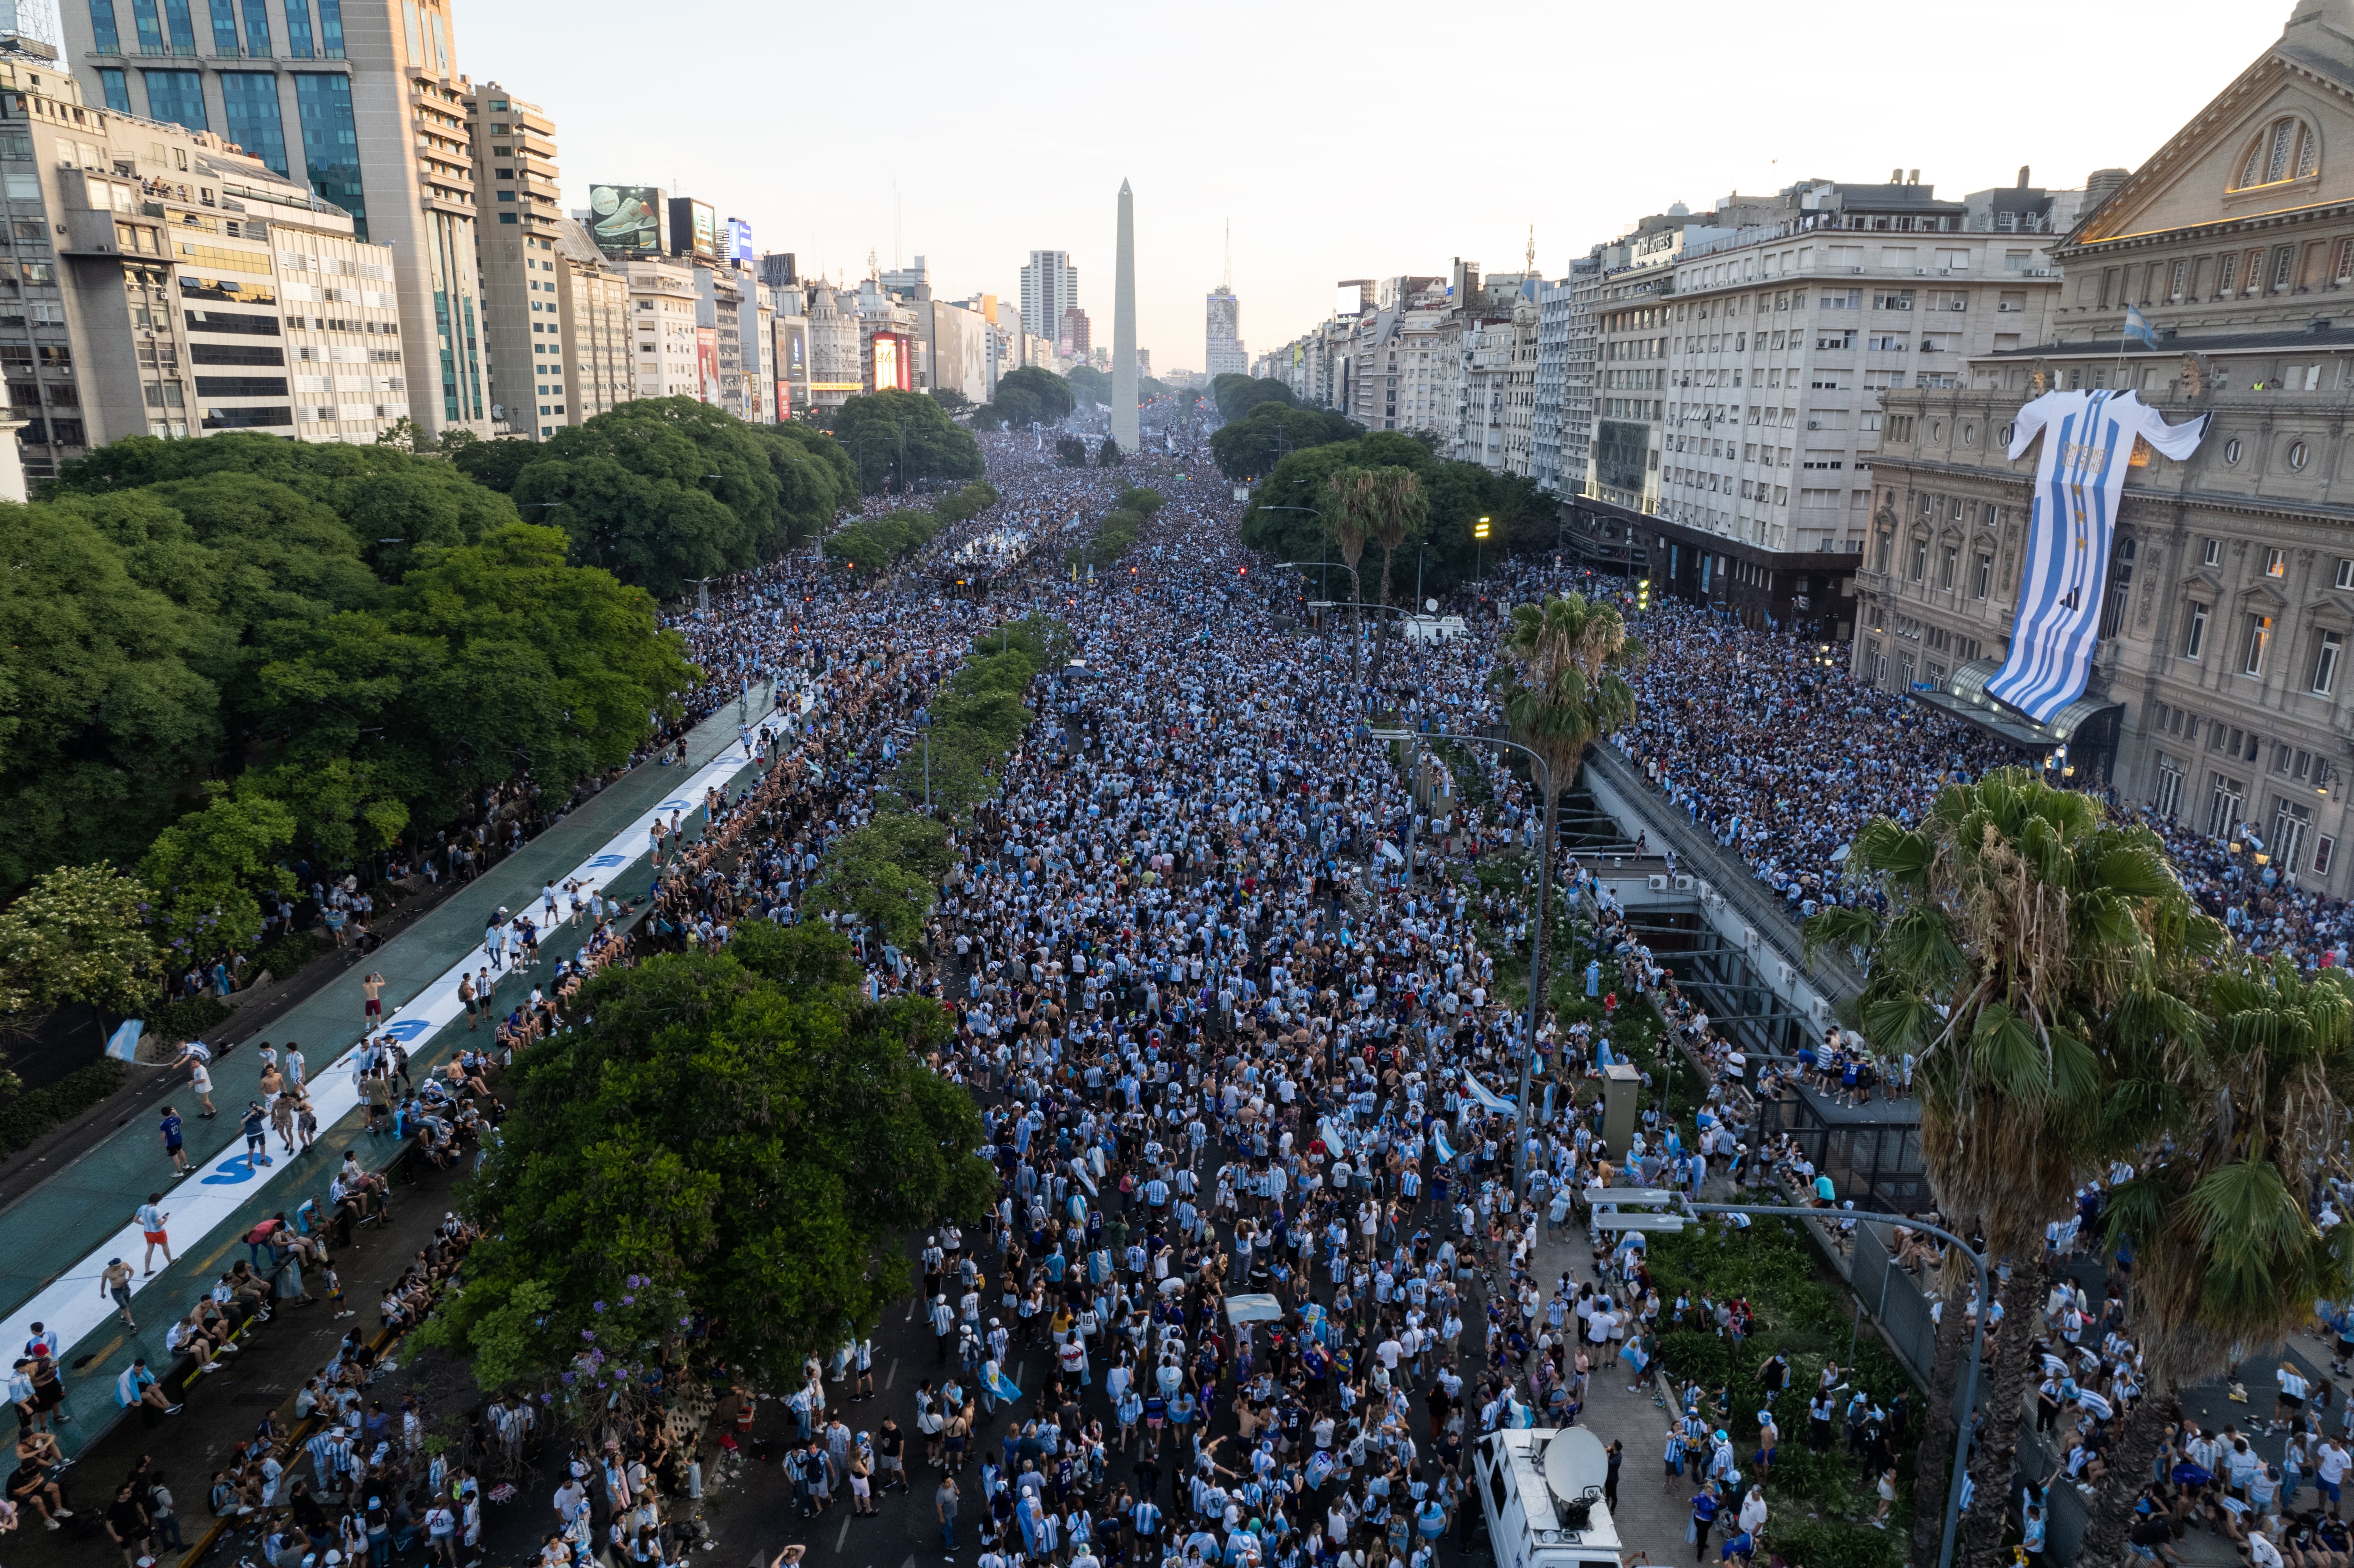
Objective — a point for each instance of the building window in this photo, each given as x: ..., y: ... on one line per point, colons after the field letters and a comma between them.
x: 2194, y: 636
x: 257, y: 30
x: 224, y: 29
x: 2167, y: 800
x: 1948, y: 560
x: 2298, y: 454
x: 298, y: 28
x: 330, y: 144
x: 2254, y: 643
x: 2120, y: 569
x: 330, y: 29
x: 2223, y: 807
x: 2325, y: 663
x: 1984, y: 575
x: 2283, y: 266
x: 2231, y: 450
x: 103, y: 37
x: 177, y: 96
x: 2211, y: 552
x: 114, y: 84
x: 2276, y: 563
x: 2292, y: 831
x: 249, y: 105
x: 2285, y: 150
x: 2324, y: 851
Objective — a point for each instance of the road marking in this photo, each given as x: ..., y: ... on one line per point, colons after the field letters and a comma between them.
x: 845, y: 1536
x: 891, y: 1376
x: 912, y: 1300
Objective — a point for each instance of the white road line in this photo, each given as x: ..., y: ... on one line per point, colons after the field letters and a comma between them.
x: 844, y: 1535
x: 893, y: 1375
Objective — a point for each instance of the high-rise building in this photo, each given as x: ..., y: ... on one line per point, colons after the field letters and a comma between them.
x: 360, y: 99
x: 518, y: 257
x: 664, y: 304
x: 1050, y: 289
x: 837, y: 360
x: 1074, y: 341
x: 1224, y: 353
x: 165, y: 284
x: 591, y: 367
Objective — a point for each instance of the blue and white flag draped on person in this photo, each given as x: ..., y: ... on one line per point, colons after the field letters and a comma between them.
x: 2087, y: 448
x: 1489, y: 1098
x: 1000, y: 1385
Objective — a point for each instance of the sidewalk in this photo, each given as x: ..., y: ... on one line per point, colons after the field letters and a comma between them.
x: 54, y: 1243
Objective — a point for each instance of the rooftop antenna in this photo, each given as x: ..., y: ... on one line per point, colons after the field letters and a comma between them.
x: 1529, y: 268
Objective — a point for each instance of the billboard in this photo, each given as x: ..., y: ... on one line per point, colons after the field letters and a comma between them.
x: 706, y: 362
x: 1622, y: 450
x: 739, y: 241
x: 784, y: 401
x: 694, y: 228
x: 887, y: 368
x: 626, y: 220
x: 796, y: 353
x: 1348, y: 299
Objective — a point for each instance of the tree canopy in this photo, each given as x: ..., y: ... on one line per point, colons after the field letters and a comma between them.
x: 735, y: 1140
x: 1239, y: 395
x: 897, y: 438
x: 665, y: 491
x: 1455, y: 495
x: 1252, y: 445
x: 1088, y: 382
x: 1028, y: 395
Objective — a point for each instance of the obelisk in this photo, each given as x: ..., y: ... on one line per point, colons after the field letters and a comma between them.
x: 1123, y: 330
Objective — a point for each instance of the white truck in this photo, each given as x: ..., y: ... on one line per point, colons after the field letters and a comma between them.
x: 1541, y: 1489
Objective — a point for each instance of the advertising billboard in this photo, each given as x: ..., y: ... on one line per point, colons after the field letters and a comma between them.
x: 1621, y: 451
x: 784, y: 401
x: 694, y: 228
x: 626, y: 220
x: 706, y: 362
x: 887, y: 361
x: 739, y: 241
x: 1348, y: 299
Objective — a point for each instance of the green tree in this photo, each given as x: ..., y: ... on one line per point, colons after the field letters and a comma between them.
x: 1253, y: 445
x: 495, y: 465
x: 78, y: 934
x: 1239, y: 395
x: 207, y: 867
x: 898, y: 439
x: 107, y: 711
x: 1070, y: 451
x: 887, y: 874
x: 405, y: 435
x: 735, y: 1140
x: 1032, y: 395
x: 1142, y: 500
x: 2226, y: 1256
x: 1399, y: 508
x: 1563, y: 678
x: 952, y: 399
x: 1108, y: 455
x: 2029, y: 961
x: 1090, y: 383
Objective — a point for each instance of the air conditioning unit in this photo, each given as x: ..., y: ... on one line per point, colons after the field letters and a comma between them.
x: 1684, y: 883
x: 1658, y: 884
x: 1820, y: 1011
x: 1814, y: 424
x: 1789, y: 975
x: 1920, y: 272
x: 1749, y: 938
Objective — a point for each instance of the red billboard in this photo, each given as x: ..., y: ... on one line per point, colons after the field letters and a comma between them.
x: 894, y: 361
x: 707, y: 360
x: 784, y: 401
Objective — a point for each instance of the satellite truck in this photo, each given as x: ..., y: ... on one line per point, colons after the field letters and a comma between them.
x: 1541, y: 1491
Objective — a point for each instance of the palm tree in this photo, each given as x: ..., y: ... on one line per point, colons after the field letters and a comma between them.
x: 2031, y: 956
x: 1562, y: 679
x: 2226, y: 1256
x: 1398, y: 510
x: 1348, y: 519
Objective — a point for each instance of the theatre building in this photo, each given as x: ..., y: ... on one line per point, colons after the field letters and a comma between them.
x: 2220, y: 682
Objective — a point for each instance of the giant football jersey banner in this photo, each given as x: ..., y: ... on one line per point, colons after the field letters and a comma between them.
x: 2088, y: 440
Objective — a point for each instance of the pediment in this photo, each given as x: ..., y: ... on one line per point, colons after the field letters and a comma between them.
x: 2197, y: 179
x: 2203, y: 581
x: 2264, y: 597
x: 2331, y: 614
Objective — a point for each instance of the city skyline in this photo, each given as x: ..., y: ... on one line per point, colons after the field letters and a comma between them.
x: 1204, y: 148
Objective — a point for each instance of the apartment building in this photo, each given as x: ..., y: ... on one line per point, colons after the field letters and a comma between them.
x: 2219, y: 688
x: 664, y: 302
x: 588, y: 352
x: 520, y: 260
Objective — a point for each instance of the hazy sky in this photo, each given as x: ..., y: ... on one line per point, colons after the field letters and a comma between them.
x: 1341, y: 141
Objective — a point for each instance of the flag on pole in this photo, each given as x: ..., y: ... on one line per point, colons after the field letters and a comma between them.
x: 2138, y: 327
x: 123, y: 1044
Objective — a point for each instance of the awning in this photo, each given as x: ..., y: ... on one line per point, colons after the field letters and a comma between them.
x: 1964, y: 697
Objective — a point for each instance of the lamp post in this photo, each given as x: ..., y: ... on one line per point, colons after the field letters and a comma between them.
x: 1536, y: 946
x: 1478, y: 550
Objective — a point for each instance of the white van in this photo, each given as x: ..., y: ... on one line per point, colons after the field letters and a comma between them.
x: 1541, y: 1488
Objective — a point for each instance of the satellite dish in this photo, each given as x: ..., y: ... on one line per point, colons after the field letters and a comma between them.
x: 1431, y: 605
x: 1575, y: 1463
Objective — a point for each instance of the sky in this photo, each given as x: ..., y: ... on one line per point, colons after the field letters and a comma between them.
x: 1338, y: 142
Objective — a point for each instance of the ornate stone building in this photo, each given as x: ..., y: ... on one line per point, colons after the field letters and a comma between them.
x: 2219, y: 687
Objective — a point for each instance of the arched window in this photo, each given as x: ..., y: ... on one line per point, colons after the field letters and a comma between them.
x: 2287, y: 149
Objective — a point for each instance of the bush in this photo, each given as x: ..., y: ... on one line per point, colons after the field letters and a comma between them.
x: 1826, y: 1544
x: 35, y: 1111
x: 1111, y: 540
x: 289, y: 953
x: 186, y: 1018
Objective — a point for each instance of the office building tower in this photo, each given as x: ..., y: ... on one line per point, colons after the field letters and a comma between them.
x: 1050, y: 289
x: 1224, y: 348
x: 361, y: 100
